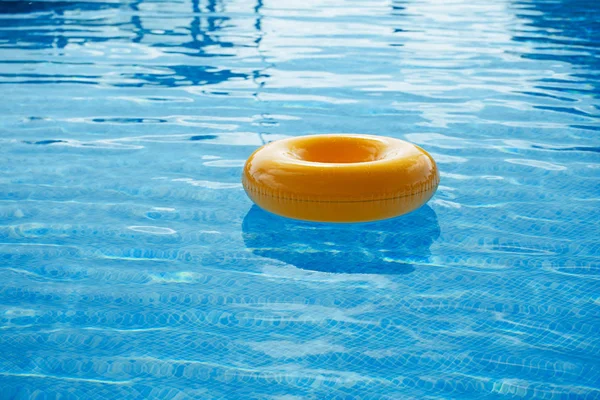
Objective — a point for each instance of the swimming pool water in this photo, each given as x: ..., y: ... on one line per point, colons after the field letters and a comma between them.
x: 132, y: 265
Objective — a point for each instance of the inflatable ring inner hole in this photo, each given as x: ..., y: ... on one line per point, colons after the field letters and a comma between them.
x: 339, y: 150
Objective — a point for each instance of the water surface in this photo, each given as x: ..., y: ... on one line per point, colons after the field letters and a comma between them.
x: 134, y: 266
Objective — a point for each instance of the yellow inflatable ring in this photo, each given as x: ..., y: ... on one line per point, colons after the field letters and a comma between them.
x: 340, y: 178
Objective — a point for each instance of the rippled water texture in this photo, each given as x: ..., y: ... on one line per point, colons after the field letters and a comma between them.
x: 134, y: 266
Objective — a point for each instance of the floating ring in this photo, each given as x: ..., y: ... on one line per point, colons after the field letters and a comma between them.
x: 340, y: 178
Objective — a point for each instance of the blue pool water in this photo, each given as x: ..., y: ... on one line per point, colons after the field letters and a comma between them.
x: 132, y: 265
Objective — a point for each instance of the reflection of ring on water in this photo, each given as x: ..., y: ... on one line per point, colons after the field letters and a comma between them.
x: 383, y: 247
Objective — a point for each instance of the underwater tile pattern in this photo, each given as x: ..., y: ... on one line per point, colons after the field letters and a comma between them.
x: 132, y: 265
